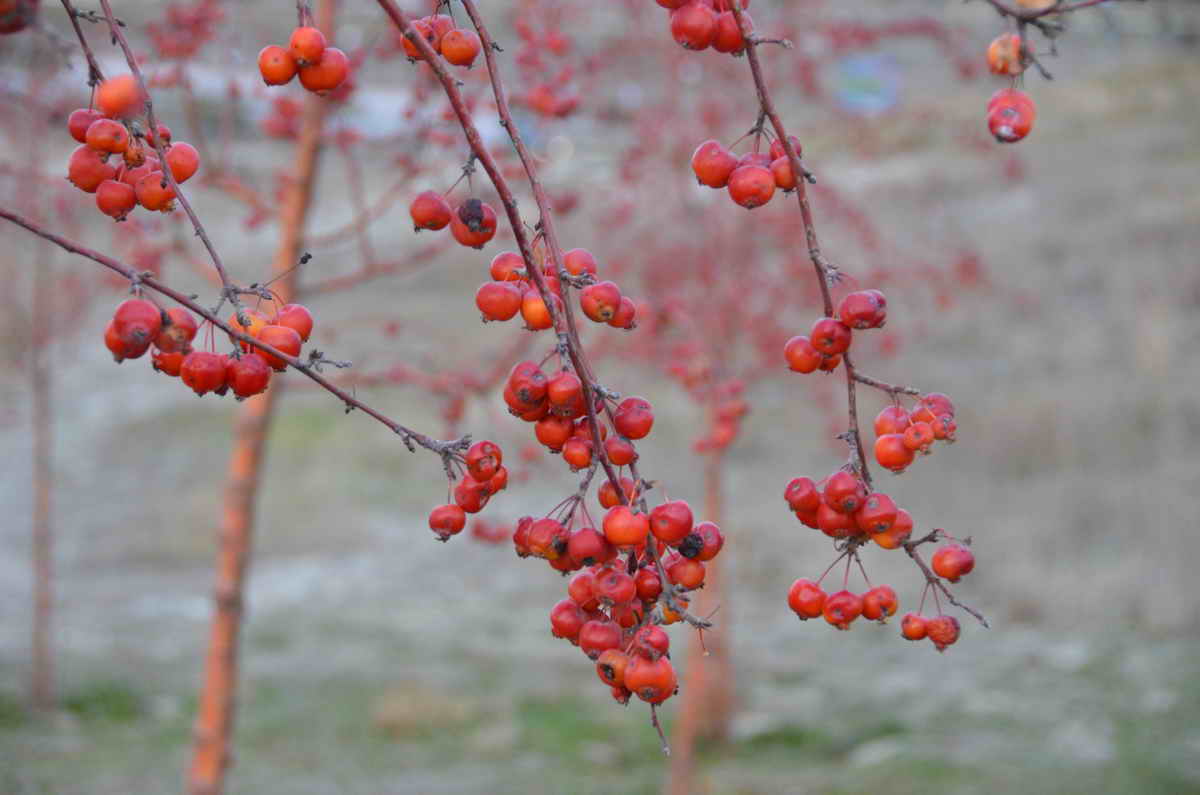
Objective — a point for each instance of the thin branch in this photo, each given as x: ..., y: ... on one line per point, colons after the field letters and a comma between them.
x: 408, y: 435
x: 95, y: 75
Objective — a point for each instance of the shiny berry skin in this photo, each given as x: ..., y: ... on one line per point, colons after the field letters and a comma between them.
x: 943, y: 631
x: 183, y: 160
x: 919, y: 437
x: 284, y: 340
x: 498, y: 300
x: 829, y: 336
x: 79, y: 121
x: 756, y: 159
x: 877, y: 513
x: 168, y: 363
x: 600, y: 301
x: 534, y: 311
x: 136, y: 320
x: 879, y: 603
x: 582, y: 589
x: 566, y: 620
x: 444, y: 520
x: 577, y: 453
x: 863, y: 309
x: 115, y: 199
x: 651, y: 642
x: 440, y: 24
x: 547, y: 539
x: 587, y: 546
x: 483, y: 459
x: 712, y: 540
x: 802, y: 495
x: 842, y: 608
x: 460, y: 47
x: 932, y: 406
x: 633, y: 418
x: 296, y: 317
x: 626, y: 317
x: 845, y: 492
x: 276, y: 65
x: 429, y: 210
x: 953, y: 562
x: 1004, y: 55
x: 607, y: 495
x: 120, y: 349
x: 119, y: 97
x: 944, y: 428
x: 801, y: 356
x: 914, y: 626
x: 713, y: 164
x: 1011, y: 121
x: 891, y: 452
x: 528, y: 383
x: 625, y: 529
x: 781, y: 170
x: 553, y: 431
x: 620, y: 451
x: 507, y: 266
x: 614, y: 587
x: 248, y: 375
x: 471, y: 495
x: 751, y: 186
x: 648, y: 583
x: 178, y: 333
x: 806, y: 599
x: 425, y: 31
x: 685, y: 572
x: 153, y: 194
x: 610, y: 667
x: 829, y: 363
x: 326, y: 74
x: 671, y: 522
x: 563, y: 389
x: 598, y: 635
x: 203, y: 372
x: 892, y: 419
x: 306, y: 45
x: 835, y: 524
x: 257, y: 322
x: 694, y: 25
x: 106, y: 135
x: 653, y: 681
x: 473, y: 223
x: 579, y: 261
x: 898, y: 533
x: 86, y: 169
x: 728, y: 37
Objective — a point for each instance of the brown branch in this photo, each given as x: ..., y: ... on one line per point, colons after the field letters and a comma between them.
x: 94, y: 73
x: 935, y: 581
x: 227, y: 292
x: 883, y: 386
x: 408, y: 435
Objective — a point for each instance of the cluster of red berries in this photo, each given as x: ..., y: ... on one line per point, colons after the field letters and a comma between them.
x: 473, y: 222
x: 484, y: 476
x: 1010, y: 112
x: 321, y: 68
x: 700, y: 24
x: 750, y: 179
x: 134, y: 176
x: 138, y: 324
x: 458, y: 46
x: 555, y: 405
x: 511, y: 291
x: 609, y: 612
x: 901, y: 434
x: 830, y: 337
x: 551, y: 91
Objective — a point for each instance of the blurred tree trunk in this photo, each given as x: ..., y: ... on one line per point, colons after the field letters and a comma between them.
x: 211, y: 749
x: 41, y: 418
x: 707, y: 695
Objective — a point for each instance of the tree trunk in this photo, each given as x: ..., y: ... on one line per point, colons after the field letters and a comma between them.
x: 212, y: 743
x: 42, y: 676
x: 707, y: 695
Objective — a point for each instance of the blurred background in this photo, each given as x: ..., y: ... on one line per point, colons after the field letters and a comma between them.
x: 1052, y: 288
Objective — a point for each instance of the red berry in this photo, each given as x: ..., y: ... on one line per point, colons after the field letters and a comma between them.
x: 651, y: 641
x: 282, y: 339
x: 579, y: 261
x: 620, y: 451
x: 898, y: 533
x: 247, y: 375
x: 879, y: 603
x: 892, y: 419
x: 483, y: 459
x: 919, y: 436
x: 713, y: 164
x: 694, y: 25
x: 276, y: 65
x: 587, y: 546
x: 168, y: 363
x: 952, y: 562
x: 80, y: 120
x: 614, y: 587
x: 460, y: 47
x: 829, y: 336
x: 728, y: 37
x: 120, y: 97
x: 183, y: 160
x: 1004, y: 55
x: 566, y: 620
x: 801, y: 356
x: 115, y: 199
x: 712, y: 540
x: 547, y: 539
x: 106, y: 135
x: 178, y: 333
x: 842, y: 608
x: 891, y: 452
x: 845, y: 492
x: 876, y: 514
x: 498, y: 300
x: 802, y: 495
x: 625, y: 529
x: 777, y: 150
x: 153, y: 194
x: 610, y: 666
x: 473, y: 223
x: 137, y: 321
x: 751, y: 186
x: 598, y: 635
x: 671, y: 522
x: 943, y: 631
x: 203, y: 371
x: 86, y: 169
x: 306, y: 45
x: 913, y: 626
x: 429, y: 210
x: 444, y: 520
x: 806, y: 599
x: 600, y: 301
x: 649, y: 585
x: 626, y: 316
x: 687, y: 573
x: 863, y: 309
x: 633, y: 418
x: 296, y: 317
x: 326, y: 74
x: 653, y: 681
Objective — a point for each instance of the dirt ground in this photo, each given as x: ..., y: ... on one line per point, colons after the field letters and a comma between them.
x: 375, y: 662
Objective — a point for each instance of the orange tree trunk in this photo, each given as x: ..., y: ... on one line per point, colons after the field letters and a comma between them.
x: 707, y: 695
x: 212, y: 743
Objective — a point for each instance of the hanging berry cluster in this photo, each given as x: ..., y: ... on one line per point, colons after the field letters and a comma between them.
x: 511, y: 291
x: 700, y: 24
x: 482, y: 476
x: 752, y: 178
x: 321, y: 68
x: 139, y: 325
x: 472, y: 222
x: 117, y: 161
x: 1010, y: 111
x: 458, y: 46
